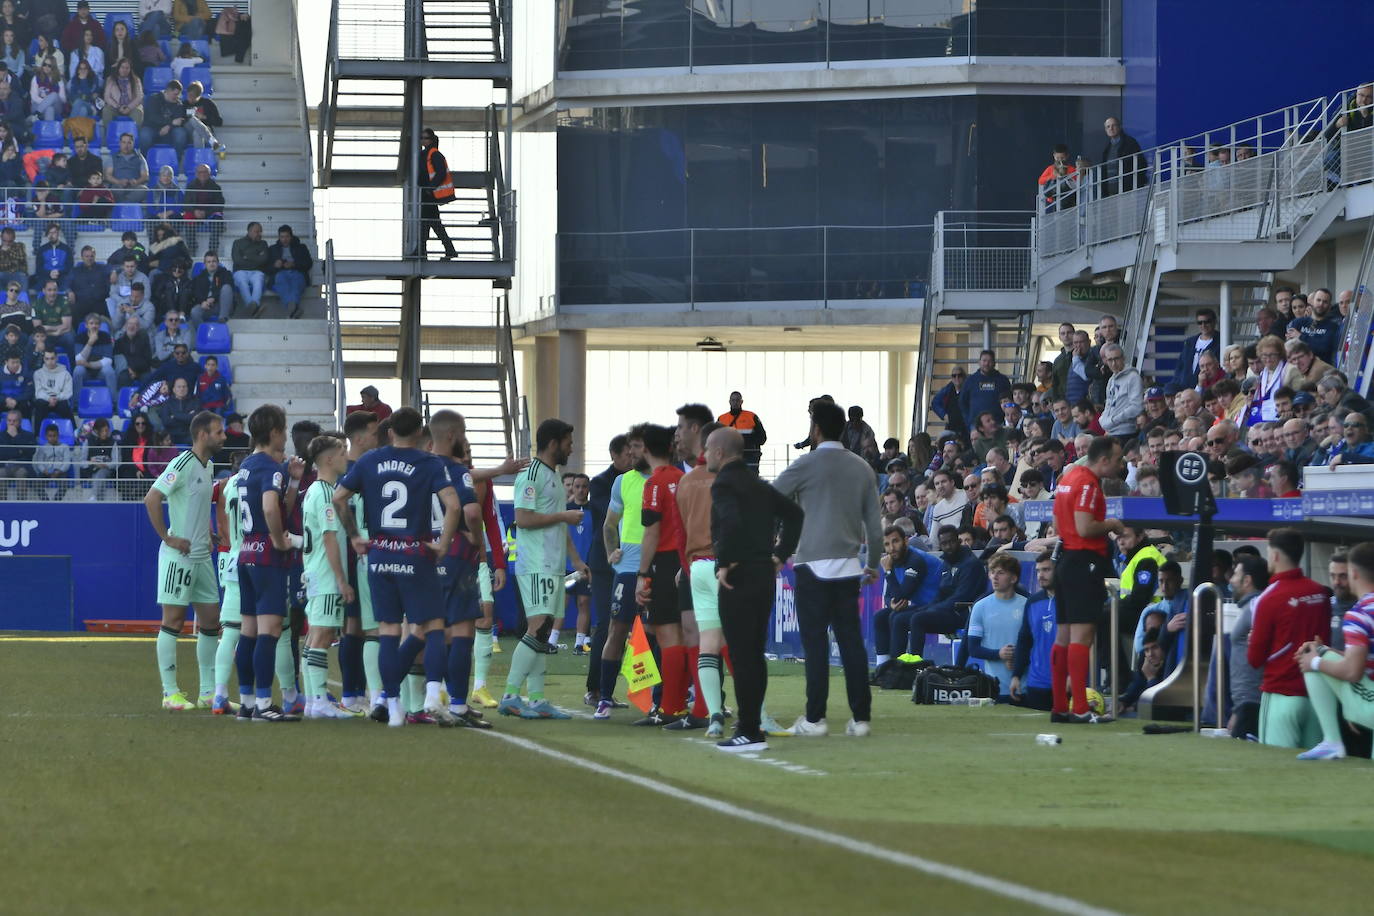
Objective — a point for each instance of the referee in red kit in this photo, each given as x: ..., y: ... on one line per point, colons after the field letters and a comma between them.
x: 1080, y: 518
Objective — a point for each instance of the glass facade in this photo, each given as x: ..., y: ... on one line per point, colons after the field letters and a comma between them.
x: 633, y: 34
x: 789, y: 201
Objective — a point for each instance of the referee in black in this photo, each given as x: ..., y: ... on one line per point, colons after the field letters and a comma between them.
x: 746, y: 514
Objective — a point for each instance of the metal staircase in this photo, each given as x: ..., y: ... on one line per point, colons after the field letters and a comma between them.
x: 402, y: 311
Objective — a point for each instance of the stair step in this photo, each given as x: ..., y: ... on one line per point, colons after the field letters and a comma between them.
x: 296, y: 391
x: 283, y: 373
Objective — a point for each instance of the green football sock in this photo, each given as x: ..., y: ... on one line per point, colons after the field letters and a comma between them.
x: 207, y: 644
x: 541, y: 665
x: 521, y: 664
x: 413, y: 692
x: 286, y: 665
x: 1323, y: 700
x: 708, y: 674
x: 316, y: 662
x: 372, y: 666
x: 224, y: 656
x: 167, y: 660
x: 481, y: 658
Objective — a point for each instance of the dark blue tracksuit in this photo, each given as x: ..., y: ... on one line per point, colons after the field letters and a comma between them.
x: 916, y: 579
x: 963, y: 581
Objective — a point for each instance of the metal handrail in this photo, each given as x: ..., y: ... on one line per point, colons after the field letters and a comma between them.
x: 1142, y: 281
x: 335, y: 334
x: 1196, y: 636
x: 329, y: 98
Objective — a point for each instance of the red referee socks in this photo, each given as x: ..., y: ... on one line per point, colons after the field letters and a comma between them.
x: 1059, y: 674
x: 675, y: 680
x: 1079, y: 655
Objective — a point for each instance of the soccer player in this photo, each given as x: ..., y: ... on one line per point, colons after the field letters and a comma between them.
x: 583, y: 536
x: 227, y: 523
x: 396, y: 482
x: 541, y: 538
x: 1030, y: 682
x: 185, y: 569
x: 691, y: 420
x: 1080, y: 517
x: 265, y: 496
x: 458, y: 568
x: 622, y: 533
x: 659, y: 566
x: 1345, y: 677
x: 699, y: 571
x: 303, y: 432
x: 358, y: 666
x: 995, y: 622
x: 1290, y: 612
x: 326, y: 582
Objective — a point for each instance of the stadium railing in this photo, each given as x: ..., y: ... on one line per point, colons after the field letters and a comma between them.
x: 74, y: 487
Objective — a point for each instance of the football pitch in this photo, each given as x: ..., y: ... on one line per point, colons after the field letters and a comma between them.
x: 112, y: 805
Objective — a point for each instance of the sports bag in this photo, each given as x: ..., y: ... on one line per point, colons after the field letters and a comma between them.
x: 946, y: 684
x: 895, y: 674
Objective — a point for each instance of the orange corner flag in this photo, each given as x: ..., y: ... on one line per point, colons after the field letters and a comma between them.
x: 639, y: 669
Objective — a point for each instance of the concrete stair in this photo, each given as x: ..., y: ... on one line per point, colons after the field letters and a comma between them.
x: 285, y: 362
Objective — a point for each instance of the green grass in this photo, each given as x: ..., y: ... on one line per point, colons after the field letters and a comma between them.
x: 112, y: 805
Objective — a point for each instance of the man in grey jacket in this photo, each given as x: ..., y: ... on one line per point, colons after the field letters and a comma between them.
x: 838, y: 492
x: 1125, y: 395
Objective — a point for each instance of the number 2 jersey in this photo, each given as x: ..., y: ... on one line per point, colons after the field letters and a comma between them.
x: 396, y: 485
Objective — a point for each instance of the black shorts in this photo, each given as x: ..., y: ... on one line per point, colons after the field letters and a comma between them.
x: 1080, y: 594
x: 624, y: 608
x: 663, y: 604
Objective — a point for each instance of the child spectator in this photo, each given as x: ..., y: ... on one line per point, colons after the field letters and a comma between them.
x: 186, y: 57
x: 45, y: 208
x: 33, y: 353
x: 211, y: 387
x: 95, y: 199
x: 12, y: 344
x: 53, y: 460
x: 995, y: 622
x: 129, y: 245
x: 59, y: 177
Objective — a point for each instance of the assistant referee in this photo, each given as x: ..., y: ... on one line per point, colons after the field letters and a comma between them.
x: 1080, y: 518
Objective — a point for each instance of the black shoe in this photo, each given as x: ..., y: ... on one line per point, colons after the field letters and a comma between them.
x: 727, y: 712
x: 1088, y: 718
x: 656, y: 717
x: 685, y: 724
x: 743, y: 744
x: 245, y: 713
x: 619, y: 704
x: 380, y: 714
x: 470, y: 719
x: 547, y: 648
x: 273, y: 713
x: 1061, y: 718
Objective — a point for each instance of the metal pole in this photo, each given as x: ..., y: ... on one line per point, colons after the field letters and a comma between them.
x: 1195, y: 626
x: 1224, y: 330
x: 1114, y: 644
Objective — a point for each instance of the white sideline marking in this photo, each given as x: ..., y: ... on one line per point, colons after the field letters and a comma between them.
x: 1008, y: 889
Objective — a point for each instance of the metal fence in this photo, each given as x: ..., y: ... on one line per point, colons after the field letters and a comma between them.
x: 988, y: 251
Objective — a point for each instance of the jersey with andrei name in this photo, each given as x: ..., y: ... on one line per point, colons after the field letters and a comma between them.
x: 396, y: 485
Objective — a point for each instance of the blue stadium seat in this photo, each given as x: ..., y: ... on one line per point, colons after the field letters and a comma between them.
x: 214, y: 338
x: 128, y: 18
x: 127, y: 218
x: 93, y: 403
x: 126, y: 395
x: 119, y: 126
x: 64, y: 360
x: 194, y: 157
x: 155, y: 79
x: 197, y: 269
x: 157, y: 157
x: 66, y: 432
x: 201, y: 75
x: 202, y: 46
x: 47, y: 135
x: 226, y: 368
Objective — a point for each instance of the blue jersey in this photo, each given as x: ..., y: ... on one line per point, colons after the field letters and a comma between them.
x: 1040, y: 620
x: 997, y: 621
x: 260, y: 475
x: 397, y: 485
x: 462, y: 555
x: 583, y: 534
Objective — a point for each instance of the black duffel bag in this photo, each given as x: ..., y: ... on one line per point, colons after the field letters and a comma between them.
x: 946, y: 684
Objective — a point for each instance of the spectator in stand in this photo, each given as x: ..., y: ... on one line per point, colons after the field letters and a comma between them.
x: 16, y: 451
x: 89, y: 284
x: 1310, y: 370
x: 148, y: 53
x: 946, y: 401
x: 212, y: 291
x: 192, y: 18
x: 127, y: 173
x: 1266, y: 320
x: 44, y: 50
x: 121, y: 46
x: 211, y: 388
x: 95, y: 200
x: 44, y: 210
x: 250, y: 257
x: 53, y: 460
x: 83, y: 163
x: 53, y: 313
x: 164, y: 120
x: 1065, y: 428
x: 1085, y: 417
x: 14, y: 259
x: 996, y: 620
x: 85, y: 92
x: 163, y: 453
x: 53, y: 261
x: 180, y: 366
x: 999, y: 462
x: 165, y: 249
x: 985, y: 389
x: 290, y: 269
x: 1299, y: 446
x: 1063, y: 360
x: 205, y: 118
x: 859, y: 437
x: 911, y: 579
x: 989, y: 434
x: 370, y: 403
x: 171, y: 335
x: 12, y: 342
x: 1123, y: 166
x: 1355, y: 446
x: 123, y: 97
x: 951, y: 507
x: 1108, y: 332
x: 83, y: 21
x: 155, y: 16
x: 134, y: 446
x: 1283, y: 307
x: 166, y: 200
x: 136, y: 305
x: 16, y: 385
x: 1030, y: 683
x: 95, y: 355
x: 1321, y: 329
x: 1125, y: 396
x: 177, y: 411
x: 1055, y: 181
x: 38, y: 345
x: 172, y: 290
x: 894, y: 506
x: 962, y: 582
x: 1187, y: 370
x: 1284, y: 478
x: 98, y: 457
x: 12, y: 50
x: 1083, y: 369
x: 204, y: 208
x: 1245, y: 478
x: 52, y: 390
x: 47, y: 93
x: 122, y: 280
x: 133, y: 353
x: 14, y: 113
x: 90, y: 53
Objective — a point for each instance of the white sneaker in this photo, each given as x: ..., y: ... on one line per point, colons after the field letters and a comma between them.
x: 328, y: 710
x: 804, y: 729
x: 395, y: 716
x: 315, y: 710
x: 856, y: 729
